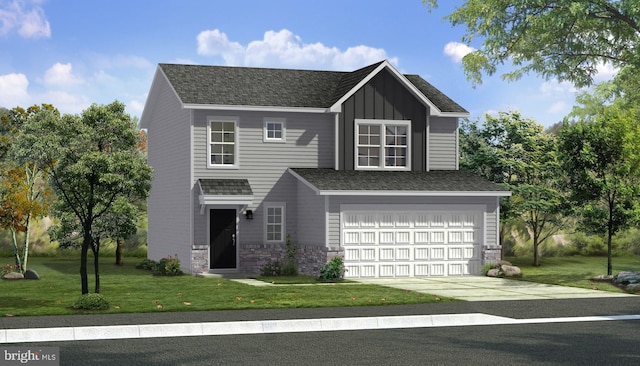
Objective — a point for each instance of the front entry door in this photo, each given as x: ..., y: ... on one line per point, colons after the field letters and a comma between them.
x: 222, y: 226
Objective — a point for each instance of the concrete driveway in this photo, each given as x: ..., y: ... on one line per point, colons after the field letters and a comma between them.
x: 480, y: 288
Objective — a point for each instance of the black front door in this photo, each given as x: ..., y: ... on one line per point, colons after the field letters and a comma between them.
x: 222, y: 226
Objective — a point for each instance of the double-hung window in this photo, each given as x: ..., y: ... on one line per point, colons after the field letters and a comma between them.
x: 274, y: 222
x: 223, y: 142
x: 382, y: 144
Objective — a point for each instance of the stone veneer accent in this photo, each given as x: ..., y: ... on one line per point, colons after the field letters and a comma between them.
x: 309, y: 258
x: 490, y: 254
x: 199, y: 259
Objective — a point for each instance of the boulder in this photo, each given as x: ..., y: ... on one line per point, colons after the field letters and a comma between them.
x: 13, y: 276
x: 511, y: 271
x: 31, y: 275
x: 625, y: 278
x: 633, y: 288
x: 493, y: 272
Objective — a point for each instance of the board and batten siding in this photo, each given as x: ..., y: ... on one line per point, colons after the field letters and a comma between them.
x: 443, y: 143
x: 383, y: 97
x: 309, y: 144
x: 490, y: 213
x: 169, y: 203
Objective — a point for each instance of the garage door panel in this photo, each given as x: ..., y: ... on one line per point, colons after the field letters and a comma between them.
x: 403, y: 244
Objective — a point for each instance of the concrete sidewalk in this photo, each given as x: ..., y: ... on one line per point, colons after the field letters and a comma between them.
x: 487, y: 303
x: 480, y: 288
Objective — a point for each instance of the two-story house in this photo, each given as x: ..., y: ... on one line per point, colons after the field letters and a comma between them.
x: 360, y: 164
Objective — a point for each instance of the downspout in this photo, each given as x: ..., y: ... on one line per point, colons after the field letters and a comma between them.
x: 336, y: 142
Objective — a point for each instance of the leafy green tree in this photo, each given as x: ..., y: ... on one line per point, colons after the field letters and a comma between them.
x: 93, y: 162
x: 602, y: 160
x: 24, y: 194
x: 513, y: 151
x: 565, y: 39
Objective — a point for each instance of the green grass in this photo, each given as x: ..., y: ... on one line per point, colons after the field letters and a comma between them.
x: 574, y: 271
x: 130, y: 290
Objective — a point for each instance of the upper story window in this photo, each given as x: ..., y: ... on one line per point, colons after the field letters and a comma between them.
x: 382, y: 144
x: 274, y: 130
x: 223, y: 142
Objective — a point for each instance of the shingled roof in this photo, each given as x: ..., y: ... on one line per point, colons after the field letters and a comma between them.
x: 438, y: 181
x: 267, y: 87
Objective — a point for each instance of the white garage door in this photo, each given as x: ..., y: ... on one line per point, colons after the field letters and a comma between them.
x: 411, y: 243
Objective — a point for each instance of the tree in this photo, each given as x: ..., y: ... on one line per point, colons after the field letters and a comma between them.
x: 602, y: 159
x: 93, y: 162
x: 24, y: 195
x: 565, y: 39
x: 513, y: 151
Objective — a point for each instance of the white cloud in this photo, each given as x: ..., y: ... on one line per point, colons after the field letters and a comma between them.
x: 13, y: 90
x: 457, y: 51
x: 559, y: 107
x: 66, y: 102
x: 216, y: 43
x: 606, y: 72
x: 552, y: 88
x: 283, y: 48
x: 25, y: 17
x: 135, y: 107
x: 61, y: 74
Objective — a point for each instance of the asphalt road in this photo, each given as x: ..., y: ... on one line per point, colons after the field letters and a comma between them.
x: 615, y: 343
x: 569, y: 343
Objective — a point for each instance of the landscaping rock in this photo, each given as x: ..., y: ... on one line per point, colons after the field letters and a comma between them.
x: 627, y: 280
x: 31, y: 275
x: 633, y: 288
x: 13, y: 276
x: 493, y: 272
x: 504, y: 269
x: 511, y: 271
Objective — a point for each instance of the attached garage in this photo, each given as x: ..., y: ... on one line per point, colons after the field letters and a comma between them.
x: 412, y: 241
x: 400, y: 224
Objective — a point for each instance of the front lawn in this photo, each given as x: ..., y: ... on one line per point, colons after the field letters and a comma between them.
x: 575, y: 271
x: 130, y: 290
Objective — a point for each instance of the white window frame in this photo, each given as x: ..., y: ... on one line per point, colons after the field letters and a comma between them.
x: 283, y: 224
x: 236, y: 157
x: 283, y: 128
x: 383, y: 123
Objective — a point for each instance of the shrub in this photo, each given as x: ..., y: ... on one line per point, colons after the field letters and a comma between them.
x: 169, y: 266
x: 589, y: 244
x: 91, y: 302
x: 272, y: 268
x: 332, y: 270
x: 8, y: 268
x: 147, y: 264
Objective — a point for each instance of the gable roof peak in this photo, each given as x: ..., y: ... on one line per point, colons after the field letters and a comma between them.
x: 204, y: 86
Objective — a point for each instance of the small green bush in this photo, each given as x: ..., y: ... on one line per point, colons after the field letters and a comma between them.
x: 169, y: 266
x: 272, y: 268
x: 147, y: 264
x: 590, y: 245
x: 288, y: 268
x: 332, y: 270
x: 91, y: 302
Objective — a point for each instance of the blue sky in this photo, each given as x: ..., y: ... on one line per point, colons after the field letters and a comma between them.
x: 72, y: 53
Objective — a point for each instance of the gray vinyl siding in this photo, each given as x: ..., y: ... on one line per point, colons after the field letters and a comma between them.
x: 491, y: 211
x: 311, y: 217
x: 309, y: 144
x: 443, y: 139
x: 383, y: 97
x: 169, y: 204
